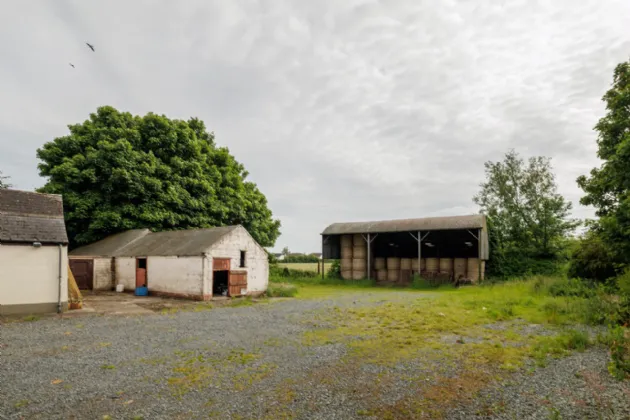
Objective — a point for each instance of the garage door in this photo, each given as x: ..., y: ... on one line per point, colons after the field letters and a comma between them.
x: 83, y: 271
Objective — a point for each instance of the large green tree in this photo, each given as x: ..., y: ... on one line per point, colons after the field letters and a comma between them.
x: 528, y: 217
x: 608, y: 186
x: 118, y: 171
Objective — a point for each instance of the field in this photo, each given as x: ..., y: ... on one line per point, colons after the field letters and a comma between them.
x: 303, y: 266
x: 506, y: 351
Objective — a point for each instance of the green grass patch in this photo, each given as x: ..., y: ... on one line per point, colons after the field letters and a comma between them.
x: 31, y: 318
x: 108, y: 367
x: 282, y: 290
x: 239, y: 302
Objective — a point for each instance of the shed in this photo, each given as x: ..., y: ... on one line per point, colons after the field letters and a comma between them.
x: 454, y: 247
x: 33, y: 253
x: 195, y: 263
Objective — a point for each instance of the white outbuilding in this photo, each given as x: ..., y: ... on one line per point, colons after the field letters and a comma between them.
x: 33, y: 253
x: 193, y: 264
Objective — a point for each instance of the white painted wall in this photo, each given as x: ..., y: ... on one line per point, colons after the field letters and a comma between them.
x: 103, y: 274
x: 256, y: 263
x: 182, y: 275
x: 126, y: 272
x: 31, y: 275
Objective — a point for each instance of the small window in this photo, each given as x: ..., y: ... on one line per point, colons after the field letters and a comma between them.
x: 242, y: 264
x: 142, y: 263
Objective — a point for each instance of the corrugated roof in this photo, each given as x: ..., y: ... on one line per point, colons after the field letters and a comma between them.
x: 474, y: 221
x: 31, y: 217
x: 112, y: 244
x: 169, y: 243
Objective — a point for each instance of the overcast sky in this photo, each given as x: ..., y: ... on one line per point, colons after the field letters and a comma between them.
x: 346, y: 110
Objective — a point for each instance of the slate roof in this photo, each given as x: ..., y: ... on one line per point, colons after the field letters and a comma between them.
x: 142, y: 243
x: 473, y: 221
x: 27, y: 217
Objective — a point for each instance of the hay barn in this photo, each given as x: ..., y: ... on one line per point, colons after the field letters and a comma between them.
x: 440, y: 249
x: 194, y: 264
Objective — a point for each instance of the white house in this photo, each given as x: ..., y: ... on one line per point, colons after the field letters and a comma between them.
x: 33, y: 253
x: 194, y: 264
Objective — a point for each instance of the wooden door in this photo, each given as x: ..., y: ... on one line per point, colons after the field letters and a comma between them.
x: 83, y: 271
x: 237, y: 283
x: 141, y: 272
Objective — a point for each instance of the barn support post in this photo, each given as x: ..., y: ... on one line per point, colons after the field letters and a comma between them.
x: 324, y: 239
x: 369, y: 265
x: 419, y: 253
x: 479, y: 252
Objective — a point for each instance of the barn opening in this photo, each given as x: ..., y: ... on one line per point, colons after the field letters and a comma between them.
x: 220, y: 283
x: 440, y: 249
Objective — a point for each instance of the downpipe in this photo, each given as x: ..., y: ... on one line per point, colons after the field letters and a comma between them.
x: 60, y: 279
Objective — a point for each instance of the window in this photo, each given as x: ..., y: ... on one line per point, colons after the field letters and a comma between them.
x: 142, y: 263
x: 242, y: 264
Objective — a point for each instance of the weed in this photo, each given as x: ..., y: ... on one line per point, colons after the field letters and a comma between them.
x: 169, y: 311
x: 201, y: 307
x: 21, y: 404
x: 619, y: 366
x: 237, y: 303
x: 108, y: 367
x: 31, y: 318
x: 554, y: 413
x: 281, y: 290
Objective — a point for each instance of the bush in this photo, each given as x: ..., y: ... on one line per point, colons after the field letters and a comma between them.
x: 281, y: 290
x: 335, y: 269
x: 288, y: 273
x: 619, y: 365
x: 592, y: 259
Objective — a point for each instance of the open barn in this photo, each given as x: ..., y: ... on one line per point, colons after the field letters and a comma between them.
x: 441, y: 249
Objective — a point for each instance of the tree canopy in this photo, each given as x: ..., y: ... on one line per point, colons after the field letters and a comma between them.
x: 117, y: 172
x: 608, y: 187
x: 527, y: 216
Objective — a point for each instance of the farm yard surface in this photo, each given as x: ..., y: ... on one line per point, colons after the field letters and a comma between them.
x: 506, y: 351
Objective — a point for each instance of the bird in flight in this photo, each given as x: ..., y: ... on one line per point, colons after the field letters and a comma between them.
x: 90, y: 45
x: 71, y: 65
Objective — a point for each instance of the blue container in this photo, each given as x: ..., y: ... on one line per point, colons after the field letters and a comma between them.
x: 142, y: 291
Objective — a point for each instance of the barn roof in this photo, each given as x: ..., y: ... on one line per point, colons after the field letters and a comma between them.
x: 473, y: 221
x: 27, y: 217
x: 139, y: 243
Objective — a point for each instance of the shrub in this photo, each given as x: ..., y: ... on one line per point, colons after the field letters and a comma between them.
x: 592, y: 259
x: 281, y: 290
x: 335, y: 269
x: 619, y: 365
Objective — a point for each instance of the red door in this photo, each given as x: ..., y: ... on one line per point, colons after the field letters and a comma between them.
x: 141, y: 272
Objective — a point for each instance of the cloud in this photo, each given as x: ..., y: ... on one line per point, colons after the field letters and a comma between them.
x: 340, y: 111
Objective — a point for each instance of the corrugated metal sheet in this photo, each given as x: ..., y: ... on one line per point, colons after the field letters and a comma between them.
x: 140, y: 243
x: 111, y: 245
x: 31, y: 217
x: 474, y: 221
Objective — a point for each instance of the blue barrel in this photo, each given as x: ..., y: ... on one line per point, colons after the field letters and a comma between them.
x: 142, y: 291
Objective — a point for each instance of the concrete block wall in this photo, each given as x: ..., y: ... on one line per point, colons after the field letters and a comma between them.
x: 103, y: 274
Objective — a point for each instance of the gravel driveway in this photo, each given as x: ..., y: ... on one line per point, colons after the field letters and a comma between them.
x: 252, y: 362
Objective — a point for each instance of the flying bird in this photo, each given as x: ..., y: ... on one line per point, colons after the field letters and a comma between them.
x: 90, y: 45
x: 71, y: 65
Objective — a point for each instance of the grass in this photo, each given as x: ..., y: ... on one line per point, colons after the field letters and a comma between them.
x: 281, y: 290
x: 108, y: 367
x: 396, y: 332
x: 31, y: 318
x: 301, y: 266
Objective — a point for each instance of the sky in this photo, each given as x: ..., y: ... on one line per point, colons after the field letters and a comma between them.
x: 349, y: 110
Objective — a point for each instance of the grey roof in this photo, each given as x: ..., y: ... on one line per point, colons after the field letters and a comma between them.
x: 474, y: 221
x: 112, y: 244
x: 140, y: 243
x: 31, y: 217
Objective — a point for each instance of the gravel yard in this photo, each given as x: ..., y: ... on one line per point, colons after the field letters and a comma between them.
x: 290, y: 358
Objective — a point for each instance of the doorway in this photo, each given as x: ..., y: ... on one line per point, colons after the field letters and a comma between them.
x: 83, y: 272
x: 141, y: 272
x: 220, y: 282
